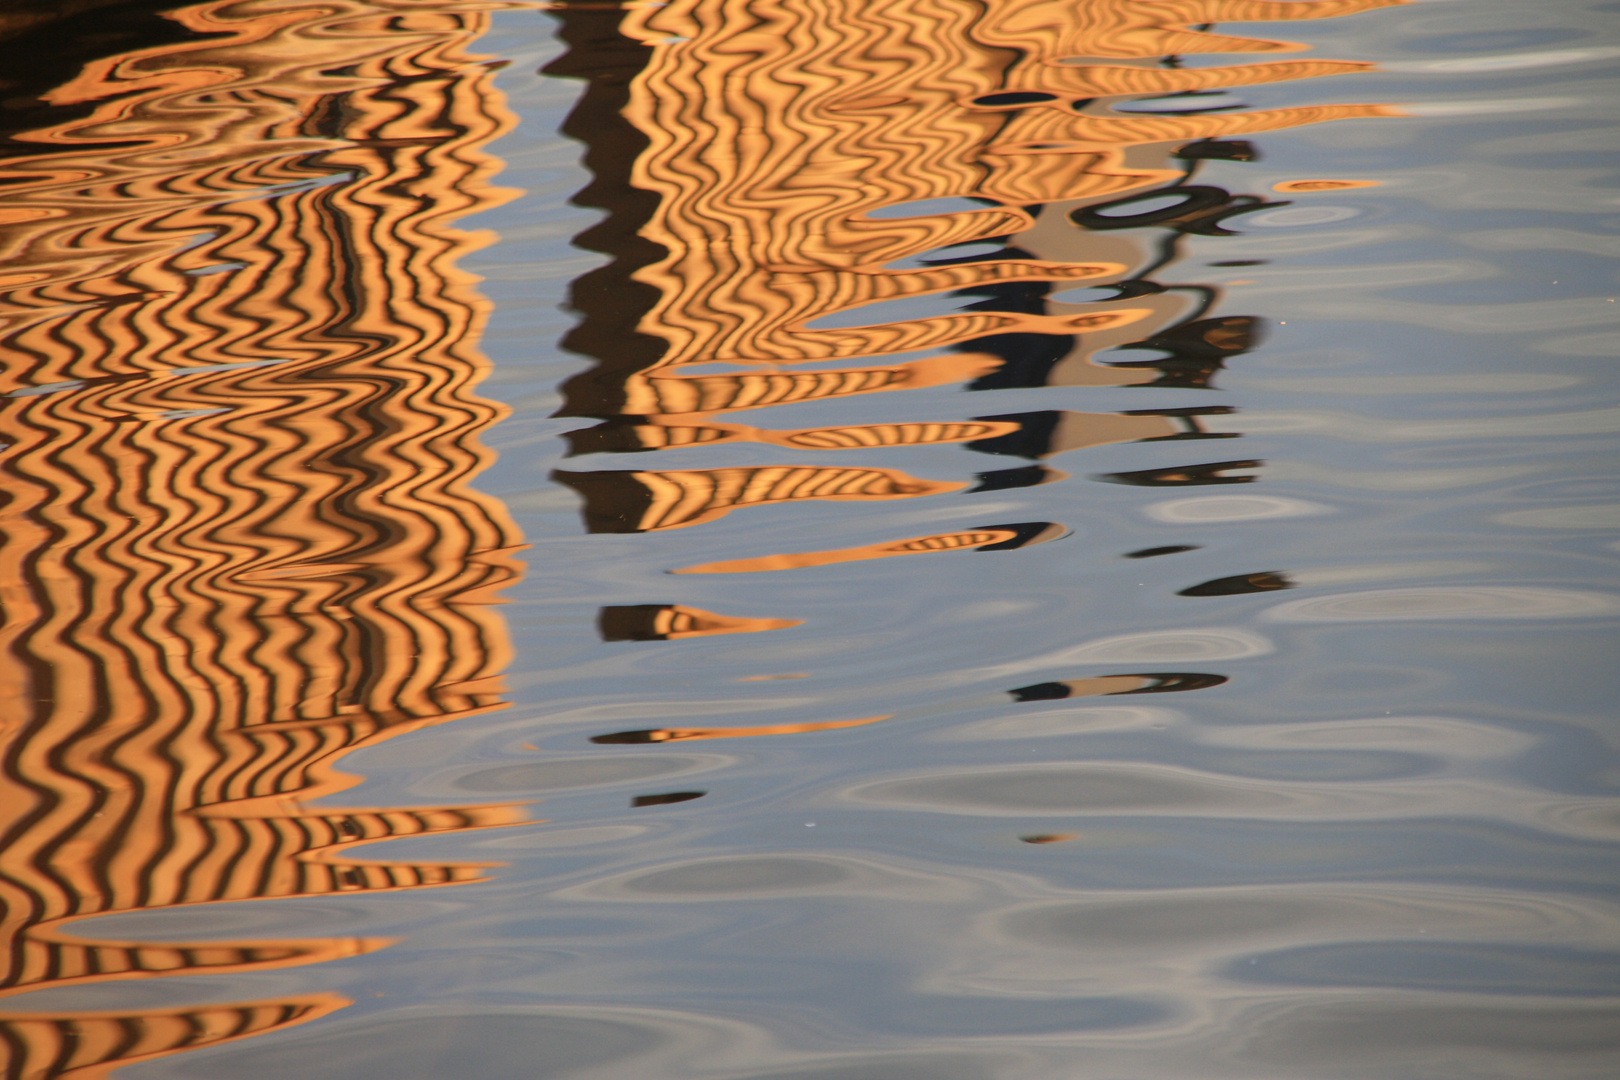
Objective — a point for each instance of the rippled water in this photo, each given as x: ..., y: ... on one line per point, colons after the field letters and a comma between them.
x: 479, y: 398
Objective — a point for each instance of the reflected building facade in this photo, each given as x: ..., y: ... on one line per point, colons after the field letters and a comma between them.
x: 239, y: 540
x: 989, y: 195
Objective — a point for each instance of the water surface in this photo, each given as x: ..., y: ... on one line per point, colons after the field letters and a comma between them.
x: 708, y: 466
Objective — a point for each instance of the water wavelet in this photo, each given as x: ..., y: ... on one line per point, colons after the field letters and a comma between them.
x: 1454, y: 602
x: 666, y: 798
x: 1062, y: 721
x: 981, y: 538
x: 631, y: 502
x: 625, y: 435
x: 1214, y: 472
x: 1208, y: 509
x: 1032, y: 435
x: 659, y: 735
x: 1303, y: 186
x: 574, y: 773
x: 1319, y: 576
x: 1044, y: 434
x: 1563, y: 517
x: 1239, y: 584
x: 675, y: 622
x: 696, y: 397
x: 1455, y: 967
x: 1156, y: 683
x: 1193, y: 644
x: 1096, y: 686
x: 1094, y: 788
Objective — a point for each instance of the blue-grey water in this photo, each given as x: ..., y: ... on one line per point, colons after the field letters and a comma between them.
x: 1359, y: 819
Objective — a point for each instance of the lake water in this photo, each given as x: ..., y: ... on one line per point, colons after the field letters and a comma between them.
x: 609, y: 541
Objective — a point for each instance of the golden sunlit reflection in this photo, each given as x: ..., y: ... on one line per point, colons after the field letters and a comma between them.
x: 656, y: 735
x: 239, y: 541
x: 988, y: 538
x: 1289, y: 187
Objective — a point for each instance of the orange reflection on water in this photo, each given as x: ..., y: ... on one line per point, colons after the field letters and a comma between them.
x: 654, y: 395
x: 624, y: 502
x: 655, y: 735
x: 989, y: 538
x: 1303, y: 186
x: 673, y: 622
x: 90, y: 1045
x: 662, y: 433
x: 239, y: 541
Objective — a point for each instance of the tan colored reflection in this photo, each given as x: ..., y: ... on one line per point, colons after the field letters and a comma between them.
x: 652, y: 395
x: 240, y: 542
x: 765, y: 233
x: 1034, y: 435
x: 971, y: 539
x: 625, y: 502
x: 89, y: 1046
x: 674, y: 622
x: 1142, y: 28
x: 1103, y: 685
x: 1306, y: 186
x: 662, y: 433
x: 653, y: 735
x: 1075, y: 431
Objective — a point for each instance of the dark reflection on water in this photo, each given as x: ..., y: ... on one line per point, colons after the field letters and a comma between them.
x: 836, y: 284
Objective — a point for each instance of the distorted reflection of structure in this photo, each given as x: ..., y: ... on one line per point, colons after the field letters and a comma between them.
x: 239, y: 541
x: 964, y: 152
x: 785, y: 182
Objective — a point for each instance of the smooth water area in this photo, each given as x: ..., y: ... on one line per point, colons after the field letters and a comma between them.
x: 609, y: 541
